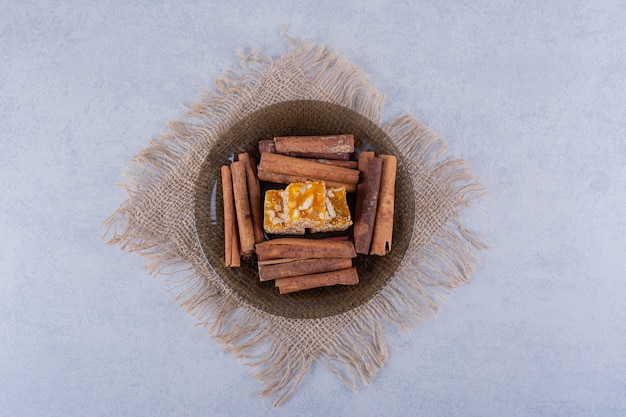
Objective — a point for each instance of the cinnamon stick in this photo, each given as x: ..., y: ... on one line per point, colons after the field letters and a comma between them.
x: 328, y: 147
x: 267, y: 146
x: 383, y: 226
x: 300, y: 248
x: 302, y: 267
x: 288, y: 179
x: 242, y: 208
x: 254, y: 195
x: 282, y: 164
x: 235, y: 247
x: 347, y: 276
x: 369, y: 188
x: 344, y: 238
x: 231, y: 239
x: 362, y: 163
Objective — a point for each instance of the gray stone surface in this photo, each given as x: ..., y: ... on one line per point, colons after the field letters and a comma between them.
x: 531, y: 94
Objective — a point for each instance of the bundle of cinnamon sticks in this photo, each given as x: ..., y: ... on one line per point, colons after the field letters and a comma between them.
x: 374, y: 211
x: 292, y: 159
x: 243, y: 216
x: 297, y: 264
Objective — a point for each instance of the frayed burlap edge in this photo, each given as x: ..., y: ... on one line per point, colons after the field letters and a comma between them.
x: 157, y: 221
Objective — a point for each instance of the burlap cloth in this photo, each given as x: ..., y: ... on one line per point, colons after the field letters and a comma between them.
x: 172, y: 218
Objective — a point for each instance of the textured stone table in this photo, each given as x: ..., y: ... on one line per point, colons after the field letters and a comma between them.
x: 531, y: 95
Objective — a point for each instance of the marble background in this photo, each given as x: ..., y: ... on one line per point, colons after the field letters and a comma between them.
x: 531, y: 94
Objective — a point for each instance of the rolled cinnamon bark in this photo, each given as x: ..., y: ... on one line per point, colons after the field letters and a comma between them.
x: 302, y: 267
x: 362, y: 163
x: 288, y: 179
x: 235, y: 247
x: 347, y: 276
x: 383, y: 226
x: 281, y: 164
x: 242, y: 208
x: 328, y: 147
x: 254, y: 195
x: 298, y: 248
x: 369, y: 188
x: 267, y: 146
x: 231, y: 238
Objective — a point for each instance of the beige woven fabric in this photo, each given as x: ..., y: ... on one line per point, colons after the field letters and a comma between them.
x: 157, y: 221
